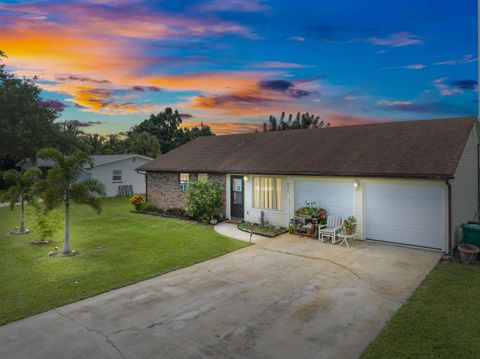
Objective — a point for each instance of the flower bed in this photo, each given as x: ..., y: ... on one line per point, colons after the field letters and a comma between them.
x: 266, y: 230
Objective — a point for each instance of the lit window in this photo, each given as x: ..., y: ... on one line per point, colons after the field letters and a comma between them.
x: 117, y: 176
x: 183, y: 180
x: 267, y: 192
x: 202, y: 176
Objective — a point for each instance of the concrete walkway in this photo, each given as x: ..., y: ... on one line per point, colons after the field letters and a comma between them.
x: 288, y: 297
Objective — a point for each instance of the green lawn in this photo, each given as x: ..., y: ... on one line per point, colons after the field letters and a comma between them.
x: 117, y: 248
x: 441, y: 320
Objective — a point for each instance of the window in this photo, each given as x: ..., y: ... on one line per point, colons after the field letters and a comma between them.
x: 202, y: 176
x: 267, y: 192
x: 117, y: 176
x: 183, y: 180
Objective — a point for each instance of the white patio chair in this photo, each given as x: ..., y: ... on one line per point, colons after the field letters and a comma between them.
x: 330, y: 230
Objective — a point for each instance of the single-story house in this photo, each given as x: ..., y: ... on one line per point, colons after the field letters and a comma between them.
x: 117, y: 172
x: 412, y: 182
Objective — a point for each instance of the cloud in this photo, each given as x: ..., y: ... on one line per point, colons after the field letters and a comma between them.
x: 233, y: 6
x: 84, y: 123
x: 296, y: 38
x: 449, y: 88
x: 225, y: 127
x: 53, y: 104
x: 464, y: 84
x: 399, y: 39
x: 146, y: 88
x: 407, y: 67
x: 384, y: 102
x: 421, y: 107
x: 466, y: 59
x: 75, y: 78
x: 284, y: 86
x: 345, y: 35
x: 229, y: 100
x: 275, y: 85
x: 278, y: 65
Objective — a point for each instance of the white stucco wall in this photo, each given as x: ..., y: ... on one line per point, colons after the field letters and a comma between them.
x: 104, y: 173
x: 282, y: 217
x: 465, y: 187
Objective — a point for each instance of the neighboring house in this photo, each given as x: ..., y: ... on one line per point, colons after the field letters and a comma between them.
x: 117, y: 172
x: 412, y: 182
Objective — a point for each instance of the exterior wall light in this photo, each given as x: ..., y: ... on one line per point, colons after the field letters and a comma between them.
x: 245, y: 178
x: 355, y: 184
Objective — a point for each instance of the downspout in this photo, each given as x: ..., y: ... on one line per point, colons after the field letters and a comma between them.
x: 478, y: 181
x: 449, y: 187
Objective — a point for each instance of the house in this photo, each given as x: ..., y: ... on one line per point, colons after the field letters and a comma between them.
x: 117, y: 172
x: 412, y: 182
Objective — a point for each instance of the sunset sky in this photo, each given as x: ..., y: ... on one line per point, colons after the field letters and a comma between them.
x: 232, y: 63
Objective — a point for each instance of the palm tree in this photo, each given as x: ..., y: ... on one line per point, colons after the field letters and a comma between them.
x: 62, y: 186
x: 21, y: 190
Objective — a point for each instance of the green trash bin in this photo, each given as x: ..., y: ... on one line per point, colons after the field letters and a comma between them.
x: 471, y: 234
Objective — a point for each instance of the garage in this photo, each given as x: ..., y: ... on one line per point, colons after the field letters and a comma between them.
x: 336, y: 197
x: 411, y: 213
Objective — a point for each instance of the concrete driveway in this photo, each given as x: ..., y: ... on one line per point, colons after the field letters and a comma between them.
x: 281, y: 298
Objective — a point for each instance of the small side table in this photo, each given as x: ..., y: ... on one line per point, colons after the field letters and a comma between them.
x: 343, y: 237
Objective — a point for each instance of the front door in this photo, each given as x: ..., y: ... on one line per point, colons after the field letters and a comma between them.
x: 237, y: 197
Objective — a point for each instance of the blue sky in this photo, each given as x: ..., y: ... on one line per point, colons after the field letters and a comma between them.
x: 232, y: 63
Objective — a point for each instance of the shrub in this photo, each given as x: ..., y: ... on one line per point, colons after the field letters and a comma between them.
x: 203, y: 199
x: 137, y: 201
x: 45, y: 223
x: 176, y: 212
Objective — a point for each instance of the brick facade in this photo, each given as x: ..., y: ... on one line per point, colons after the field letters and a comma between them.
x: 163, y: 191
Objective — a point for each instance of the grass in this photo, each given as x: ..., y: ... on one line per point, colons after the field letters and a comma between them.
x: 263, y: 230
x: 116, y: 248
x: 441, y: 320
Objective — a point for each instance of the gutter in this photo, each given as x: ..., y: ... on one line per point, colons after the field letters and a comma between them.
x: 449, y: 187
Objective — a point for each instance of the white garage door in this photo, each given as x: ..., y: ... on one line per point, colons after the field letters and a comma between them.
x: 335, y: 197
x: 411, y: 214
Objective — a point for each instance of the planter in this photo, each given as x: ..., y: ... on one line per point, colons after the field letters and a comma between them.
x: 349, y: 231
x: 310, y: 231
x: 205, y: 220
x: 468, y: 253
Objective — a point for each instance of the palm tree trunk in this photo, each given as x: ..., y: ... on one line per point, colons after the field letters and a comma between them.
x: 22, y: 219
x: 66, y: 240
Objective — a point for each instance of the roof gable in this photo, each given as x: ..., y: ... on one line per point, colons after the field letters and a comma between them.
x: 427, y: 148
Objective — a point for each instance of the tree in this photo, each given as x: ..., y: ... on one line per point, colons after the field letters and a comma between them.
x: 165, y: 126
x: 69, y: 138
x: 113, y: 145
x: 27, y: 122
x: 204, y: 199
x: 21, y: 190
x: 301, y: 121
x: 61, y: 186
x: 93, y: 144
x: 144, y: 144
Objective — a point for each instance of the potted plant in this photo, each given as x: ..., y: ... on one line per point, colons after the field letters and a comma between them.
x: 205, y: 219
x: 137, y: 201
x: 310, y: 229
x: 349, y: 225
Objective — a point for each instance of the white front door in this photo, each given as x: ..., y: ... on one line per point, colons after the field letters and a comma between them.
x: 412, y: 213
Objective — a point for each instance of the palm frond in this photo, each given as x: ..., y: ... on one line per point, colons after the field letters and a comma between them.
x: 89, y: 192
x: 12, y: 176
x: 30, y: 176
x: 53, y: 154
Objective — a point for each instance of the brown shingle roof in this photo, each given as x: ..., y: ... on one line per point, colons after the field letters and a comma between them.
x: 427, y: 148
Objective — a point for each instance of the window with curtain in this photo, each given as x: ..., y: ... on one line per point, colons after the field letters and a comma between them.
x: 183, y: 180
x: 267, y: 192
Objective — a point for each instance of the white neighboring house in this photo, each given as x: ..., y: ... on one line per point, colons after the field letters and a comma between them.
x: 117, y: 172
